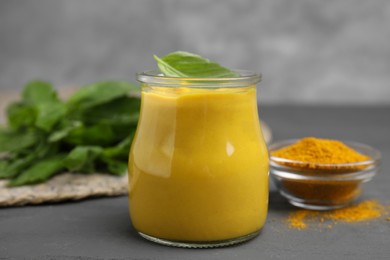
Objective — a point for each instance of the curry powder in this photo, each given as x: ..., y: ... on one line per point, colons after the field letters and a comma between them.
x: 311, y: 152
x: 363, y: 211
x: 321, y: 157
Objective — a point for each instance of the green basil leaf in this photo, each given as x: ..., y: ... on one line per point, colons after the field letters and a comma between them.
x: 4, y: 164
x: 168, y: 69
x: 15, y: 141
x: 17, y: 165
x: 99, y: 93
x: 185, y: 64
x: 116, y: 167
x: 120, y: 111
x: 40, y: 105
x: 102, y: 135
x: 121, y: 150
x: 40, y: 171
x: 82, y: 158
x: 20, y: 115
x: 65, y: 129
x: 49, y: 113
x: 36, y: 92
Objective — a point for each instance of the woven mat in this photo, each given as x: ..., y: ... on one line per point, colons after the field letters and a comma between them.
x: 68, y: 186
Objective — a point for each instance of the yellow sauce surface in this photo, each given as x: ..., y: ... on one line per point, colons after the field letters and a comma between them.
x: 198, y: 167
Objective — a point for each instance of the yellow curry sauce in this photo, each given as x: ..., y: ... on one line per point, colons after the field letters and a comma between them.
x: 199, y: 165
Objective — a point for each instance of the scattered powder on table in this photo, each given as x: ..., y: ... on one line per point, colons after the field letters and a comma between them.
x: 363, y: 211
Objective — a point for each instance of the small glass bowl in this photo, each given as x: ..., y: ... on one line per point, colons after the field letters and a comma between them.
x: 322, y: 186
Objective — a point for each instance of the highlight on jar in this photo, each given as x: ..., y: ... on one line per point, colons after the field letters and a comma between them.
x: 322, y: 174
x: 195, y: 180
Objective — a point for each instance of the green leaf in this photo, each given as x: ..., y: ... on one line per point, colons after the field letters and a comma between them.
x: 82, y: 158
x: 121, y: 150
x: 39, y: 172
x: 36, y: 92
x: 20, y: 115
x: 120, y: 111
x: 67, y: 127
x: 15, y: 141
x: 116, y: 167
x: 185, y: 64
x: 17, y: 165
x: 40, y: 105
x: 99, y: 93
x: 168, y: 69
x: 3, y: 165
x: 49, y: 113
x: 102, y: 135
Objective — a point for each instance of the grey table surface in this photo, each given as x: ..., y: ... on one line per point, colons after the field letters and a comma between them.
x: 101, y: 229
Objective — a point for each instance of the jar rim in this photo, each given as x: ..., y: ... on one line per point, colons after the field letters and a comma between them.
x: 156, y: 78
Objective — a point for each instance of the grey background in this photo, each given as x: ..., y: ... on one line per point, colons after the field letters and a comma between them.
x: 309, y: 51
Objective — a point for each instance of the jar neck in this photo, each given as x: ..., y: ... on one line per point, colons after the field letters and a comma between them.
x: 156, y: 79
x: 185, y: 90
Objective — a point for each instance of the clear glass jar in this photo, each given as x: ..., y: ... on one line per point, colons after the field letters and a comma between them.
x: 198, y: 166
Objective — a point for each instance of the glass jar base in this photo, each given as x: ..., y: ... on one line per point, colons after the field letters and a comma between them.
x: 201, y: 244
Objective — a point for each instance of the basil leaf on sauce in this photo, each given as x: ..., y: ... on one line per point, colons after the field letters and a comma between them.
x: 185, y: 64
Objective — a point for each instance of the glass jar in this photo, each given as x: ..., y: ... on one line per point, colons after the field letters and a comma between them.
x: 198, y: 165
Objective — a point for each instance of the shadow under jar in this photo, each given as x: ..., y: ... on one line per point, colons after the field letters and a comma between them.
x: 198, y: 165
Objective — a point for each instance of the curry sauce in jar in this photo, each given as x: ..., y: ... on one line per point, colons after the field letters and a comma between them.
x: 198, y: 166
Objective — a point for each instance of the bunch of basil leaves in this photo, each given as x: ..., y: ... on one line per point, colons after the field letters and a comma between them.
x: 90, y: 132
